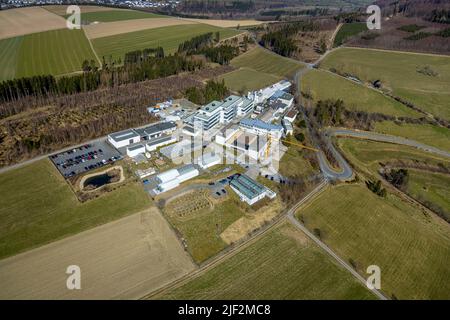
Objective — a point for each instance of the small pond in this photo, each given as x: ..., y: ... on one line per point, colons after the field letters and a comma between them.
x: 99, y: 180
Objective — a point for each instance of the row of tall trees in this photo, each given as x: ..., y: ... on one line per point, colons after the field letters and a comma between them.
x: 140, y: 66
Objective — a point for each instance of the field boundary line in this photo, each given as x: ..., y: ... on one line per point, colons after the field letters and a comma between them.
x: 92, y: 48
x: 396, y: 51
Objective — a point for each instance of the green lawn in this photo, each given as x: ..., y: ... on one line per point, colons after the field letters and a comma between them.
x: 37, y: 207
x: 367, y: 155
x: 9, y: 49
x: 412, y: 250
x: 348, y: 30
x: 267, y: 62
x: 438, y: 137
x: 283, y: 264
x: 430, y: 187
x: 325, y: 85
x: 245, y: 79
x: 167, y: 37
x: 398, y: 71
x: 116, y: 15
x: 53, y: 52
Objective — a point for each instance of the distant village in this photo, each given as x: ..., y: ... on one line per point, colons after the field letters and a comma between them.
x: 137, y: 4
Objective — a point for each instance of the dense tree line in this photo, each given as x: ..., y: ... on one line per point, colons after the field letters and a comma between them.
x: 221, y: 54
x: 152, y: 67
x: 212, y: 91
x: 195, y: 44
x: 138, y: 56
x: 329, y: 112
x: 280, y: 40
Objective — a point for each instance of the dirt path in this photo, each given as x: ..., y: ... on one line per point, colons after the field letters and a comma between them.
x: 124, y: 259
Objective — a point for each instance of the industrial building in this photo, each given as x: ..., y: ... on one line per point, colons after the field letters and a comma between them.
x: 249, y: 190
x: 156, y: 130
x: 134, y: 150
x: 171, y: 179
x: 260, y: 127
x: 123, y: 138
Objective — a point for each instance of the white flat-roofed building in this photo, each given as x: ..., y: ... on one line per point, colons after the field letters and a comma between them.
x: 135, y: 150
x: 288, y: 128
x: 245, y: 107
x: 208, y: 160
x: 209, y: 115
x: 159, y: 142
x: 124, y: 138
x: 156, y: 130
x: 229, y: 106
x: 174, y: 177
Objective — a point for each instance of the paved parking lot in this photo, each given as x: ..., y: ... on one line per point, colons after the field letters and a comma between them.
x: 84, y: 158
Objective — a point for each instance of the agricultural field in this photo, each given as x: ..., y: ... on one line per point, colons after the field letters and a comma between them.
x: 115, y: 15
x: 53, y: 52
x: 322, y: 85
x: 267, y: 62
x: 245, y: 79
x: 106, y: 29
x: 168, y: 37
x: 38, y: 206
x: 431, y: 135
x: 432, y: 188
x: 227, y: 23
x: 348, y: 30
x: 283, y: 264
x: 21, y: 21
x: 421, y: 79
x: 405, y: 243
x: 124, y: 259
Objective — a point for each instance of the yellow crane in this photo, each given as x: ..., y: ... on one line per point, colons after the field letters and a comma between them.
x: 269, y: 143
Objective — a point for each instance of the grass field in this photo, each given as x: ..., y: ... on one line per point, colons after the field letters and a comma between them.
x: 116, y: 15
x: 168, y: 37
x: 283, y: 264
x: 411, y: 249
x: 37, y: 207
x: 430, y: 187
x: 267, y: 62
x: 245, y: 79
x: 51, y: 52
x: 399, y: 72
x: 324, y: 85
x: 202, y: 228
x: 367, y: 155
x: 435, y: 136
x: 348, y: 30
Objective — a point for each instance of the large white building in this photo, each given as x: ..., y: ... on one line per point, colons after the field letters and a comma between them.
x: 222, y: 111
x: 123, y: 138
x: 174, y: 177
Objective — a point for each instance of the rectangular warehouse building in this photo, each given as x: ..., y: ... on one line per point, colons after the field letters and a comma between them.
x: 249, y: 190
x: 123, y: 138
x: 172, y: 178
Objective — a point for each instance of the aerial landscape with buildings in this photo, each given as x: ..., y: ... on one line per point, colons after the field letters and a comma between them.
x: 225, y: 150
